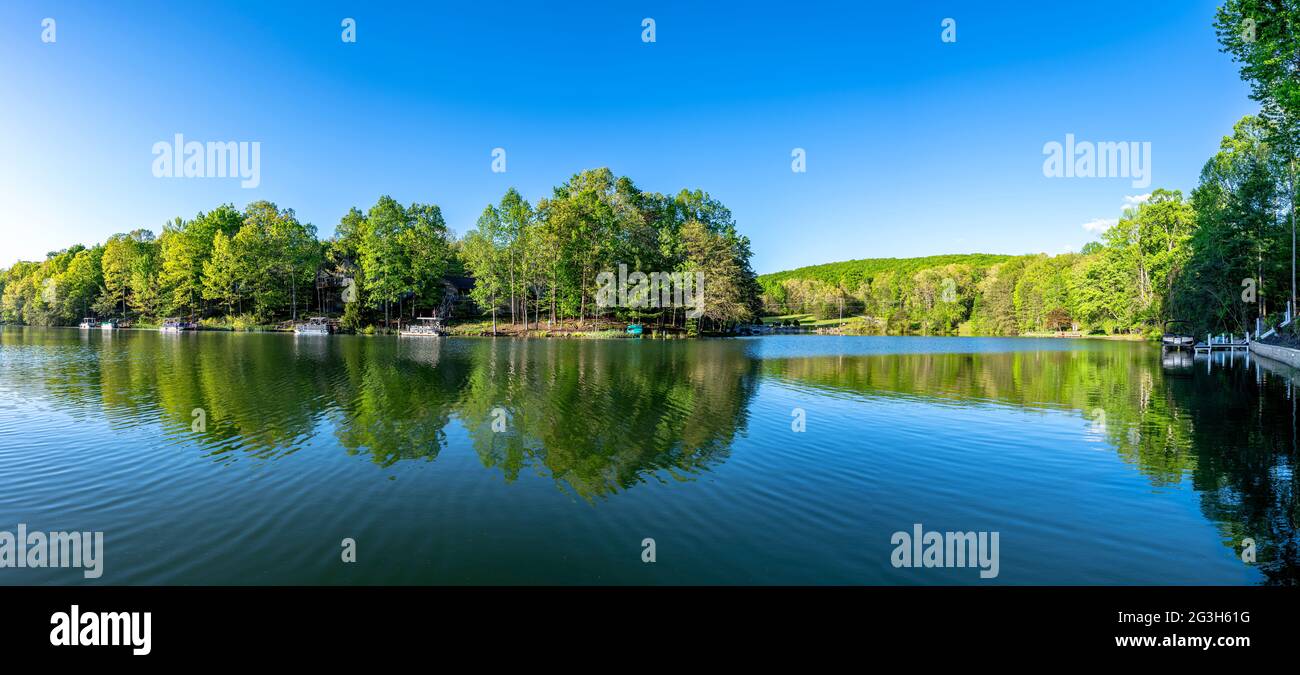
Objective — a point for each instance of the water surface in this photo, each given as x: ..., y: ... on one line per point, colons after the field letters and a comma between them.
x: 1097, y: 462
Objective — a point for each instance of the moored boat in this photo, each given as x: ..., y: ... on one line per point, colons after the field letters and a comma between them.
x: 88, y: 323
x: 316, y: 325
x: 428, y: 326
x: 1176, y: 336
x: 107, y: 324
x: 175, y: 326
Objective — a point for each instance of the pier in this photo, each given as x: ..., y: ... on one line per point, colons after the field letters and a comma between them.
x: 1214, y: 343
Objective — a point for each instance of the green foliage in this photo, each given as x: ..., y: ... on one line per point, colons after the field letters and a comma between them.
x: 1242, y: 236
x: 1263, y: 36
x: 403, y: 253
x: 128, y: 263
x: 528, y: 260
x: 855, y: 272
x: 275, y: 256
x: 265, y: 265
x: 186, y: 247
x: 483, y: 252
x: 1043, y: 291
x: 1124, y: 283
x: 934, y: 294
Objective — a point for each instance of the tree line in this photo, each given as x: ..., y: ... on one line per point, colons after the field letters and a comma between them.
x: 1121, y: 284
x: 529, y: 263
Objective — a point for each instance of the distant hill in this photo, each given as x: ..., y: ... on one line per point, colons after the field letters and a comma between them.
x: 854, y: 271
x: 969, y: 293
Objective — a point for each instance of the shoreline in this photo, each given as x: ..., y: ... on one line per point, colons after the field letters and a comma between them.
x: 598, y: 333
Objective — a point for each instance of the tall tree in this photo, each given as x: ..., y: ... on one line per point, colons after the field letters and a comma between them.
x: 185, y: 247
x: 275, y: 255
x: 484, y: 257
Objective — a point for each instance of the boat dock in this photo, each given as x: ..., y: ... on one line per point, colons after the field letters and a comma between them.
x: 1214, y: 343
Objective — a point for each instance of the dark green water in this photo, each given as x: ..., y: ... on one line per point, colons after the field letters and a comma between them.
x: 1096, y: 462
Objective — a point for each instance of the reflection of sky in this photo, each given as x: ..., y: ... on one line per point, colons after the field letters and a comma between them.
x: 785, y: 347
x: 1071, y: 502
x: 1063, y: 502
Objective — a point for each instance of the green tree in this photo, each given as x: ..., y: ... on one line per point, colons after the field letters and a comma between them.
x: 81, y: 283
x: 484, y: 257
x: 185, y: 248
x: 275, y: 255
x: 124, y: 272
x: 428, y: 250
x: 1239, y: 238
x: 222, y: 273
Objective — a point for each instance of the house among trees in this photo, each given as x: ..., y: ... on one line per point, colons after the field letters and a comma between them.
x: 457, y: 301
x: 332, y: 290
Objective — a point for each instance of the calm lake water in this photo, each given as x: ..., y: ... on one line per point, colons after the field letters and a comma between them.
x: 1095, y: 461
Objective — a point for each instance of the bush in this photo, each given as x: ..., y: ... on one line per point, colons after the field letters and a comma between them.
x: 241, y: 322
x: 245, y: 322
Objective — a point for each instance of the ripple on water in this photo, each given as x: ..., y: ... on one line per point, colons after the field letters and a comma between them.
x: 610, y: 442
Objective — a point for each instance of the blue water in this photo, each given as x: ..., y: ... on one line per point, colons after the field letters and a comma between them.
x: 1095, y: 461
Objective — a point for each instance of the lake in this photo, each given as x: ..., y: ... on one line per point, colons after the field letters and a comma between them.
x: 494, y: 461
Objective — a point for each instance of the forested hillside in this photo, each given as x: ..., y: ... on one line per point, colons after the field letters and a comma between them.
x: 1218, y: 260
x: 1122, y: 284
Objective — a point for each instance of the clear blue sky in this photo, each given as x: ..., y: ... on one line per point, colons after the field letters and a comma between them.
x: 914, y: 147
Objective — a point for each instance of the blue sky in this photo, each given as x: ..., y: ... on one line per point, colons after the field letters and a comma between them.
x: 914, y: 146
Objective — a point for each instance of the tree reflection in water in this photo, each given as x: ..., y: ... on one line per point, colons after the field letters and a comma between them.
x: 602, y: 416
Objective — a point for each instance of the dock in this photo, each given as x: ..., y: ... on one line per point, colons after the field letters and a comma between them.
x: 1215, y: 343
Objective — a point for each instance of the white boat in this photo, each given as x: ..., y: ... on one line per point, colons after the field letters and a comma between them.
x: 428, y: 326
x: 1175, y: 338
x: 316, y: 325
x: 88, y: 323
x: 108, y: 325
x: 175, y: 326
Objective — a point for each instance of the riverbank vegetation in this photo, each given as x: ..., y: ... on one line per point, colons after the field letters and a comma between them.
x: 1118, y: 285
x: 233, y: 269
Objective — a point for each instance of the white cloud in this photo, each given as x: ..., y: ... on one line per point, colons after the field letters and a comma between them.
x: 1133, y: 201
x: 1099, y: 225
